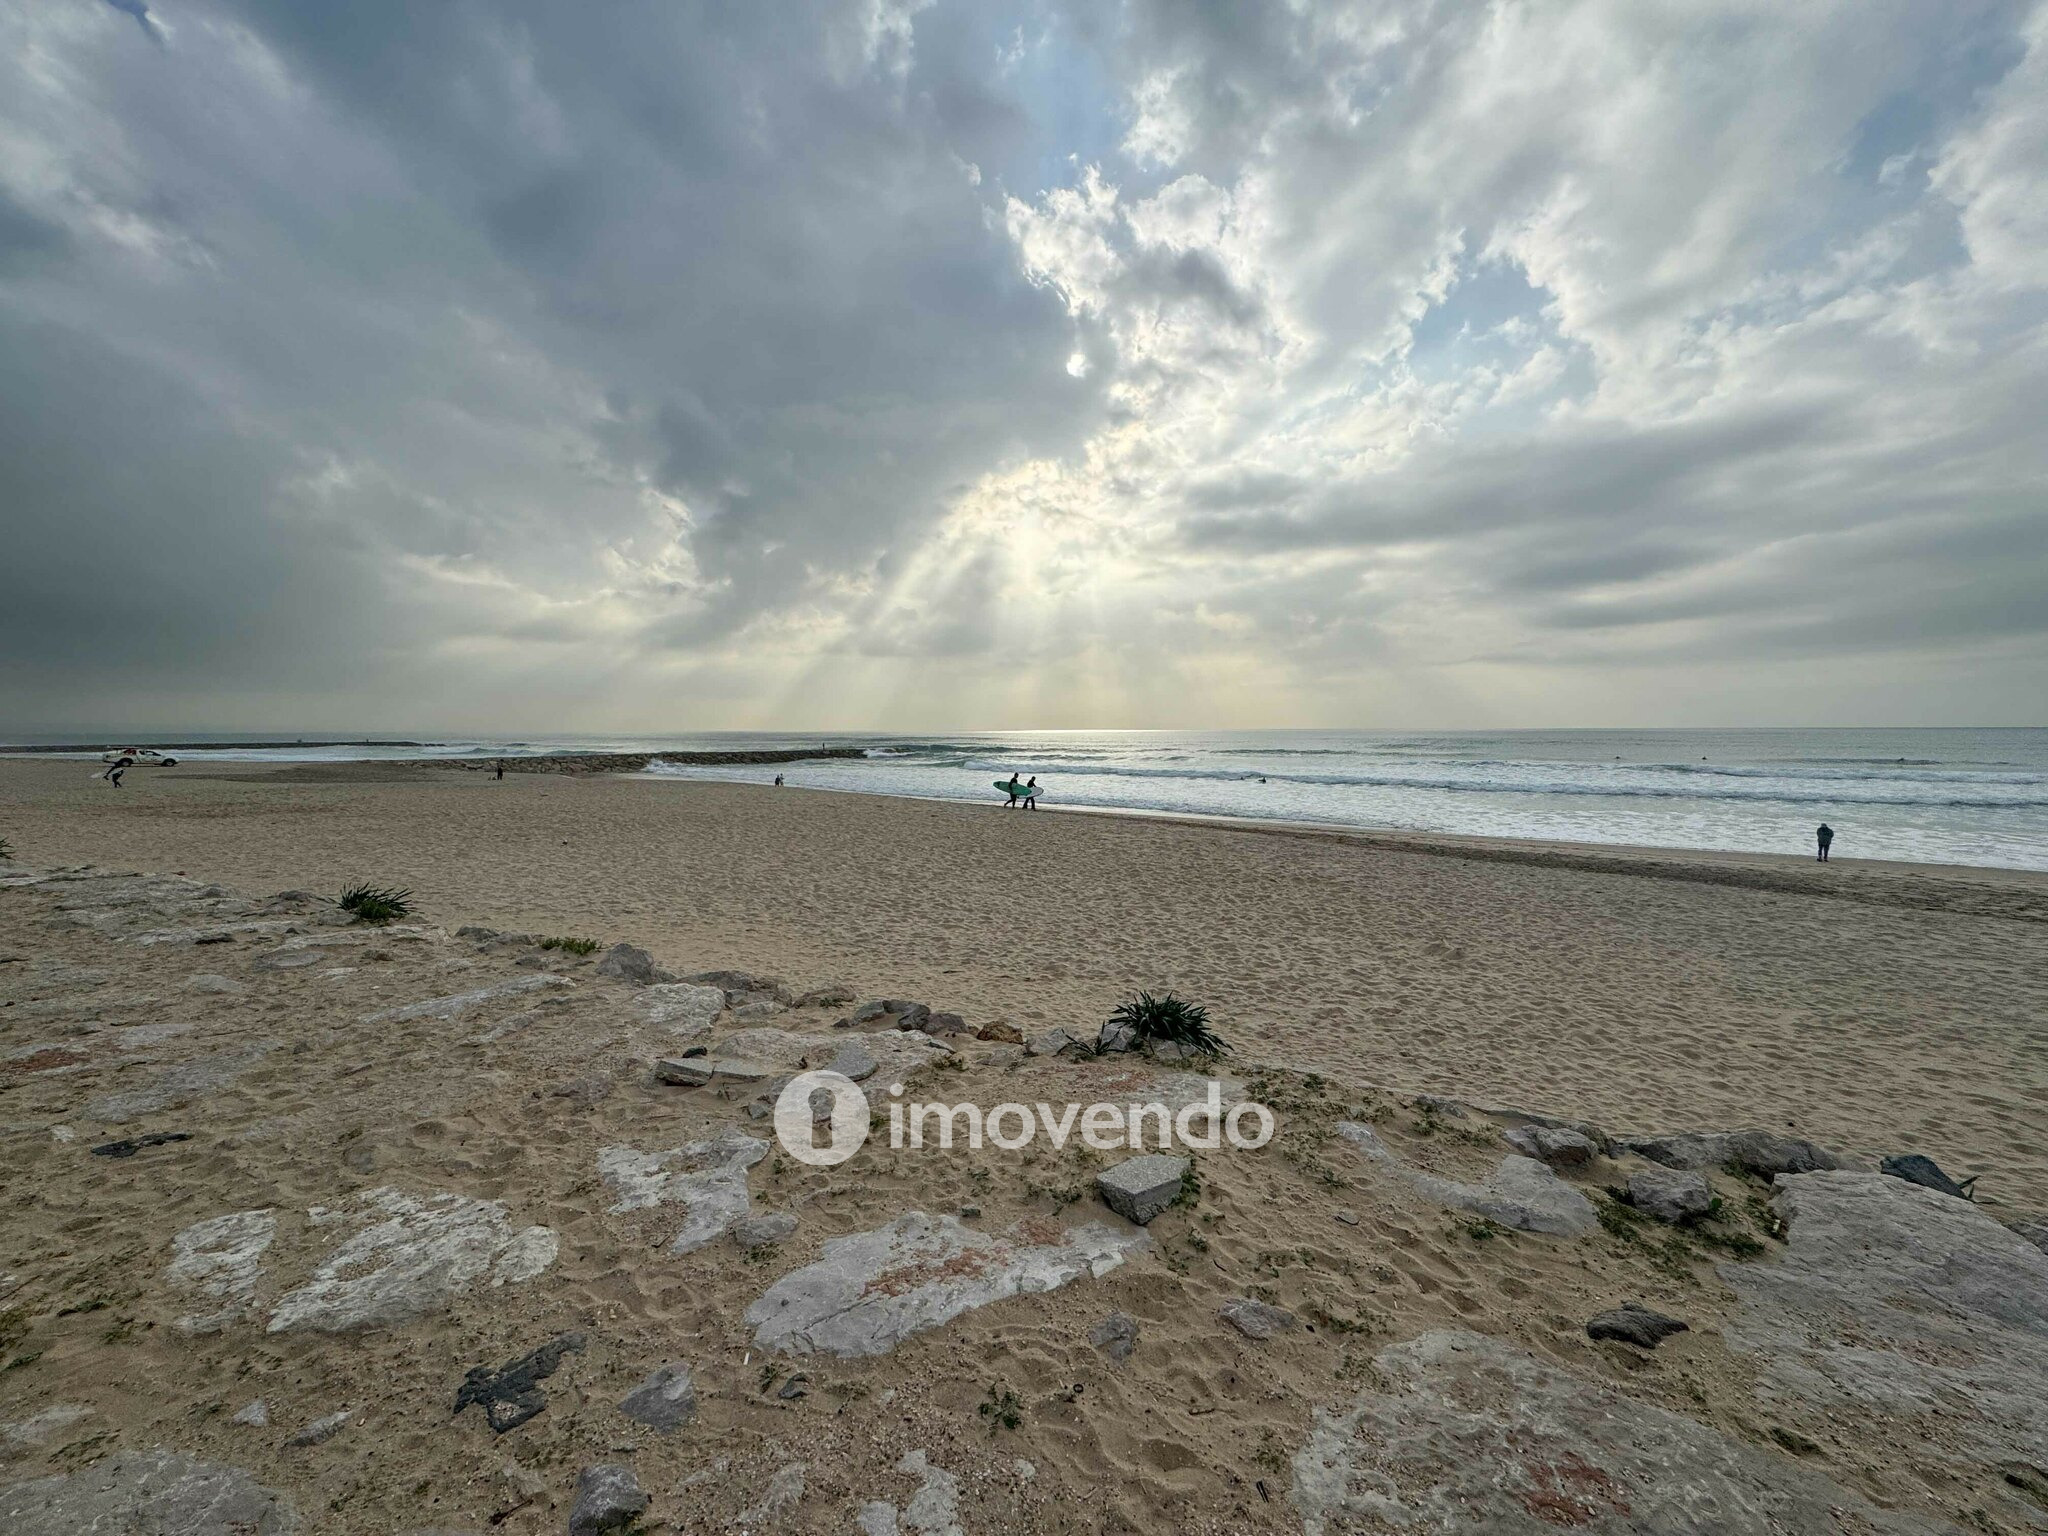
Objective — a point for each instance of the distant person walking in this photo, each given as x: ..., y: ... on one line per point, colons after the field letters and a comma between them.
x: 1825, y: 836
x: 1031, y: 793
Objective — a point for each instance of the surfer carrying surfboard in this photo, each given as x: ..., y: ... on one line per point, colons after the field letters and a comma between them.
x: 1025, y: 795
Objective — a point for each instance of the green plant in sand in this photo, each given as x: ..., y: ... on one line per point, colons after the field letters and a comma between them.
x: 1169, y: 1020
x: 572, y: 946
x: 375, y: 903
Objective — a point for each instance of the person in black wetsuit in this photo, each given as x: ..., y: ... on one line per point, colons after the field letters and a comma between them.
x: 1824, y: 835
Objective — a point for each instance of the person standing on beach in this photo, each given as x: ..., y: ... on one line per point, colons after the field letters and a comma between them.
x: 501, y: 768
x: 1825, y: 836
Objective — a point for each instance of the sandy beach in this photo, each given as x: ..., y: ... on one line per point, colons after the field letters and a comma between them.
x: 404, y: 1159
x: 1875, y: 1005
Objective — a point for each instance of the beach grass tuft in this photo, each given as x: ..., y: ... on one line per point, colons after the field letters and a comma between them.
x: 1169, y: 1019
x: 377, y: 904
x: 572, y: 946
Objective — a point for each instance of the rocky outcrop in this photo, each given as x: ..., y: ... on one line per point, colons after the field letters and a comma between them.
x: 1763, y: 1154
x: 871, y: 1290
x: 1461, y: 1432
x: 707, y: 1178
x: 157, y: 1492
x: 1519, y: 1193
x: 220, y: 1258
x: 1896, y: 1311
x: 408, y: 1265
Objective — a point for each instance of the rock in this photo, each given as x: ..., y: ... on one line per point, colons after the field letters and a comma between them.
x: 281, y: 959
x: 1116, y: 1336
x: 424, y: 1251
x: 934, y: 1510
x: 708, y: 1178
x: 685, y: 1071
x: 608, y: 1498
x: 1903, y: 1318
x: 745, y: 987
x: 587, y: 1092
x: 1519, y: 1193
x: 871, y: 1290
x: 27, y: 1434
x: 855, y: 1062
x: 1255, y: 1319
x: 177, y: 1086
x: 1558, y: 1149
x: 832, y: 996
x: 764, y: 1231
x: 2033, y: 1229
x: 150, y: 1493
x: 866, y: 1013
x: 907, y: 1015
x: 1635, y: 1324
x: 1438, y: 1104
x: 683, y: 1008
x: 1116, y: 1037
x: 256, y: 1415
x: 320, y: 1431
x: 634, y: 966
x: 665, y: 1401
x: 970, y: 1213
x: 135, y: 1144
x: 785, y: 1489
x: 1347, y: 1217
x: 214, y: 986
x: 945, y: 1024
x: 1001, y: 1032
x: 1172, y: 1052
x: 1048, y: 1042
x: 1761, y: 1153
x: 1139, y: 1188
x: 1925, y: 1172
x: 795, y: 1387
x: 1670, y: 1194
x: 220, y: 1259
x: 458, y: 1005
x: 1462, y: 1433
x: 511, y: 1394
x: 758, y: 1012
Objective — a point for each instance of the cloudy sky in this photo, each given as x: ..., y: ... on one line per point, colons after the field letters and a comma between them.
x: 918, y: 364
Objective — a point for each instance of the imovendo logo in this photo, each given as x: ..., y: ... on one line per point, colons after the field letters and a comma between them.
x: 822, y: 1118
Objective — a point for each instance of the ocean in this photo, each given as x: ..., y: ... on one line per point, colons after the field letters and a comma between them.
x: 1938, y: 795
